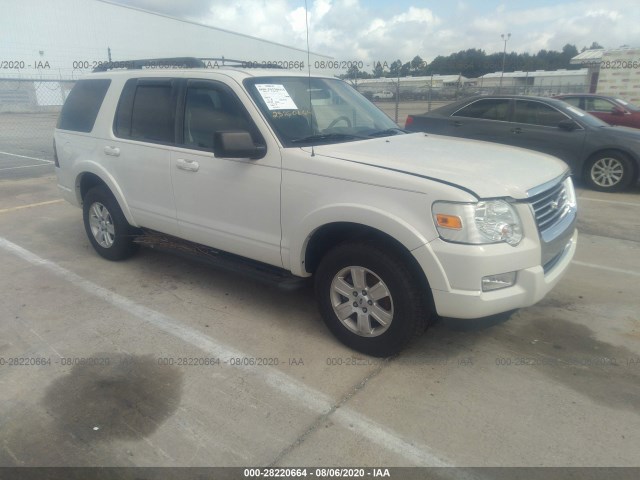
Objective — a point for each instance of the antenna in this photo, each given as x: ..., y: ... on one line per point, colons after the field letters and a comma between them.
x: 306, y: 21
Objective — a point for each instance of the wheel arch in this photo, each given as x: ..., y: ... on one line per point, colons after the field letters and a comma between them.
x: 329, y: 235
x: 93, y: 175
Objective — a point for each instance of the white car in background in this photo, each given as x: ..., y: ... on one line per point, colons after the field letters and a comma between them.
x: 383, y: 95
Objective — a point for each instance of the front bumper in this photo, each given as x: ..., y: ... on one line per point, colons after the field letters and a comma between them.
x: 532, y: 283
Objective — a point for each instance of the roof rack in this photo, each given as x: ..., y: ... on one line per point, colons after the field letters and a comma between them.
x: 180, y: 62
x: 229, y: 62
x: 177, y: 62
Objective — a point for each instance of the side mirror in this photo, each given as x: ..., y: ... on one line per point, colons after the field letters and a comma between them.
x: 237, y: 144
x: 568, y: 125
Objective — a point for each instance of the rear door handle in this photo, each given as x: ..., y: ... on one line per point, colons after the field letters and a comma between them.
x: 457, y: 123
x: 111, y: 151
x: 188, y: 165
x: 516, y: 130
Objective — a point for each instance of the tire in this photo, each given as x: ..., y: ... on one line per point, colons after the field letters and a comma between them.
x: 608, y: 171
x: 106, y: 226
x: 390, y: 317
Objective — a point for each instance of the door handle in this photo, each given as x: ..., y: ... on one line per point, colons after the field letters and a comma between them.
x: 516, y: 130
x: 457, y: 123
x: 188, y: 165
x: 111, y: 151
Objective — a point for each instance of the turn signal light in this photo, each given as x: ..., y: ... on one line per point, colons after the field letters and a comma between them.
x: 449, y: 221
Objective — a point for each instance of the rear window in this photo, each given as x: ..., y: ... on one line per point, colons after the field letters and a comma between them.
x: 82, y: 105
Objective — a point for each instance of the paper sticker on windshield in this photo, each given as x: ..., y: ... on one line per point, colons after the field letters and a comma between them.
x: 577, y: 111
x: 276, y: 97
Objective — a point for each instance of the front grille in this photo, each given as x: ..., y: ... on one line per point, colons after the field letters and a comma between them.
x: 550, y: 207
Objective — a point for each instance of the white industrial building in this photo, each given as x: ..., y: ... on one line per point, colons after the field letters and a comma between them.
x: 540, y: 82
x: 64, y: 38
x: 410, y: 87
x: 45, y: 45
x: 614, y: 72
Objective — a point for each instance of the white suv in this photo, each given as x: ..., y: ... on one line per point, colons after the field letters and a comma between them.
x: 305, y: 176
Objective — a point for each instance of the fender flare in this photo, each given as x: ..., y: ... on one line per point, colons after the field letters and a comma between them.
x: 366, y: 215
x: 100, y: 172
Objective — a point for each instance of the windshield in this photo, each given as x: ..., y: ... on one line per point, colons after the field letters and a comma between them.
x: 627, y: 105
x: 312, y: 111
x: 582, y: 116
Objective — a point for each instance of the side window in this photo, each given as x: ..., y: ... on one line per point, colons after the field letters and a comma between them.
x: 81, y: 108
x: 489, y: 109
x: 537, y: 113
x: 146, y: 111
x: 599, y: 105
x: 575, y: 101
x: 209, y: 108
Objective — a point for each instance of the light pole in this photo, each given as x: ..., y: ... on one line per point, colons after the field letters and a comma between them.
x: 505, y: 38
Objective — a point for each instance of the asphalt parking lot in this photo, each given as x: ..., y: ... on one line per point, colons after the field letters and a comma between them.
x: 160, y: 361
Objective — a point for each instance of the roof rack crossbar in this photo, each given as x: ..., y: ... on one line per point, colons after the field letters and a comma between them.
x: 230, y: 62
x: 180, y: 62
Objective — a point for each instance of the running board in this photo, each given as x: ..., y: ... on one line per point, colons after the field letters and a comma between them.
x: 258, y: 271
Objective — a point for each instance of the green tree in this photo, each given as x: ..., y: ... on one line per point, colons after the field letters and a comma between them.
x: 378, y: 70
x: 418, y: 66
x: 394, y: 68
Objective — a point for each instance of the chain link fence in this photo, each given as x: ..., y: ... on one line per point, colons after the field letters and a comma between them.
x: 28, y: 113
x: 399, y: 98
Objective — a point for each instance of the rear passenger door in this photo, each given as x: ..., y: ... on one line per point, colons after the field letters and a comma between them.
x: 232, y: 204
x: 139, y: 156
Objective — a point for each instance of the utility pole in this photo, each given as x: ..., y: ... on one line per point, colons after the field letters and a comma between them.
x: 505, y: 38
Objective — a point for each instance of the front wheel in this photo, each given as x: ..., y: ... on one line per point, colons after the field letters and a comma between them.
x: 106, y: 226
x: 609, y: 171
x: 370, y: 299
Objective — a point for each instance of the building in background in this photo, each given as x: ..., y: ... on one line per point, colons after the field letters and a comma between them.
x: 54, y: 42
x: 412, y: 88
x: 539, y: 82
x: 613, y: 72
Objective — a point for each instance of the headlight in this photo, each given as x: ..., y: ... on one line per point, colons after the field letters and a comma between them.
x: 488, y: 221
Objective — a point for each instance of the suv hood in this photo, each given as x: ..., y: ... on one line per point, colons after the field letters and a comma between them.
x: 487, y: 169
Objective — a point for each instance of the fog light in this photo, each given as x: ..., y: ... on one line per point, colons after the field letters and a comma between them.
x: 495, y: 282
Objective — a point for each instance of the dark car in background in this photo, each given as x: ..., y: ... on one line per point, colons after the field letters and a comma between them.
x: 607, y: 158
x: 612, y: 110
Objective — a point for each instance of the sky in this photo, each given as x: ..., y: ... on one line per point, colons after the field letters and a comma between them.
x: 386, y: 30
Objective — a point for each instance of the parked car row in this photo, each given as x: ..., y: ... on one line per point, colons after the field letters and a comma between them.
x: 605, y: 157
x: 612, y: 110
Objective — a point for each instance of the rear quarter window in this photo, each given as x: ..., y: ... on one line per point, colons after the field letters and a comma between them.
x: 81, y: 108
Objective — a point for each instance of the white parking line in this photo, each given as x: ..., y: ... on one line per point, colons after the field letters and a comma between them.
x: 25, y: 156
x: 314, y: 400
x: 608, y: 269
x: 27, y: 166
x: 614, y: 202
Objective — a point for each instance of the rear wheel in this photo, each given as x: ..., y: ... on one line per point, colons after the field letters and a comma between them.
x: 609, y: 171
x: 370, y: 299
x: 106, y: 226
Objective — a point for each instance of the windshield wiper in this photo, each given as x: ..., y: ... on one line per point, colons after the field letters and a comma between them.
x: 388, y: 132
x: 325, y: 136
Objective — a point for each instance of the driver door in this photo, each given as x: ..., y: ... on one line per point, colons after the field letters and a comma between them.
x: 231, y: 204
